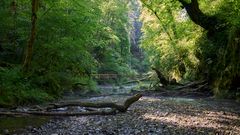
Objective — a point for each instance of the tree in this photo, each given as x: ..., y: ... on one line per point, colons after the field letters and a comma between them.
x: 216, y: 47
x: 211, y: 23
x: 217, y: 28
x: 68, y: 42
x: 29, y: 50
x: 167, y: 40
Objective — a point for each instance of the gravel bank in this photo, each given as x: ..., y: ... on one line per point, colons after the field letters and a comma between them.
x: 153, y: 116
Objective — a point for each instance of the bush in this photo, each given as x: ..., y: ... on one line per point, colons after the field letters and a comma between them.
x: 15, y: 89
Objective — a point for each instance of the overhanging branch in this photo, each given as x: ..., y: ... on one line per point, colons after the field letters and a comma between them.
x: 209, y: 23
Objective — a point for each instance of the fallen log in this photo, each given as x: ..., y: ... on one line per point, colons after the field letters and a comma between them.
x: 202, y: 87
x: 161, y: 77
x: 190, y: 85
x: 42, y: 113
x: 195, y: 88
x: 120, y: 108
x: 114, y: 108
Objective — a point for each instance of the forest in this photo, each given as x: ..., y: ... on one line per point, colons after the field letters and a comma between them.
x: 156, y: 49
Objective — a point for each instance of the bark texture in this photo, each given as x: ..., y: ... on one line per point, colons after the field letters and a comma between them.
x: 29, y: 50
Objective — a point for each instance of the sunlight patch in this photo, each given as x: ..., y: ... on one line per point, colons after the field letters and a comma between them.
x: 150, y: 99
x: 212, y: 120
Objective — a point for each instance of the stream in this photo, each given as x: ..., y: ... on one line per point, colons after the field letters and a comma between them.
x: 17, y: 125
x: 151, y: 115
x: 11, y: 125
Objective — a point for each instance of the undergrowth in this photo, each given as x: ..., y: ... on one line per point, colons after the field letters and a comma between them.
x: 17, y: 88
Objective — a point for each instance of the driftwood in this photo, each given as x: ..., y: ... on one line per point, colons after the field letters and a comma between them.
x: 201, y: 87
x: 43, y: 113
x: 114, y: 108
x: 197, y: 88
x: 120, y: 108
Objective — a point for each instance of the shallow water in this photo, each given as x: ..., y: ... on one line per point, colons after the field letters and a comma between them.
x: 178, y: 99
x: 17, y: 124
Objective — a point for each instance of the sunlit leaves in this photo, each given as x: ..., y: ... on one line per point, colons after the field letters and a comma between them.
x: 168, y: 38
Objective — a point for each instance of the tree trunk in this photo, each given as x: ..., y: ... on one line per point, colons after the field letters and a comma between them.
x: 29, y: 50
x: 161, y: 78
x: 14, y: 7
x: 210, y: 23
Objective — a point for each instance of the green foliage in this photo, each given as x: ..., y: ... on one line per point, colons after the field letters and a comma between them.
x: 169, y: 41
x: 16, y: 89
x: 114, y: 56
x: 220, y: 57
x: 228, y: 76
x: 183, y: 50
x: 74, y: 40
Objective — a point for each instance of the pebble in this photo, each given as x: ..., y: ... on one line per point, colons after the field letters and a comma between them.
x: 6, y: 132
x: 132, y: 122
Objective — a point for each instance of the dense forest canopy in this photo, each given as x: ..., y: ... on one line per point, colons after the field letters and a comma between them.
x: 47, y: 47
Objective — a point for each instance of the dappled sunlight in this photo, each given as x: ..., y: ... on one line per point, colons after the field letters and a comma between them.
x: 207, y: 119
x: 150, y: 99
x: 191, y: 115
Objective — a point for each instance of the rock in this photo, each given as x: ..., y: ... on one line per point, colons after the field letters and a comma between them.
x: 62, y: 109
x: 121, y: 87
x: 151, y: 130
x: 6, y: 132
x: 29, y: 127
x: 141, y: 119
x: 34, y: 130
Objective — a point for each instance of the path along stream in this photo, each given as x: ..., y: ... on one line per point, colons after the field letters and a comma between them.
x: 153, y: 114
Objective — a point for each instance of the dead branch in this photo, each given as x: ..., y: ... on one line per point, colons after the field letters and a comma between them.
x: 201, y: 87
x: 190, y: 85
